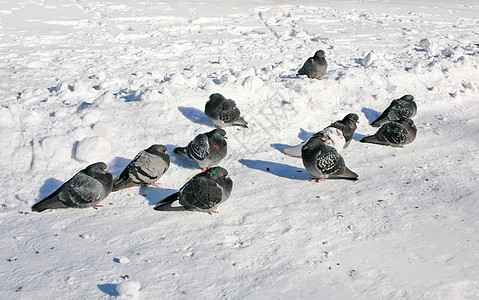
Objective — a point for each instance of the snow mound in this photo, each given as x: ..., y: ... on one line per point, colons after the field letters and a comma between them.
x: 128, y: 290
x: 93, y: 149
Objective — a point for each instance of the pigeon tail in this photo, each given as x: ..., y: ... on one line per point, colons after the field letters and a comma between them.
x: 379, y: 122
x: 180, y: 150
x: 121, y: 183
x: 165, y: 204
x: 348, y: 174
x: 241, y: 122
x: 373, y: 139
x: 294, y: 151
x: 48, y: 203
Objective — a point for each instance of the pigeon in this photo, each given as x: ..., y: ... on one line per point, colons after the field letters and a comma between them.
x: 399, y: 109
x: 338, y: 135
x: 223, y: 112
x: 145, y: 169
x: 87, y: 188
x: 207, y: 149
x: 315, y: 67
x: 395, y: 134
x: 204, y: 192
x: 323, y: 161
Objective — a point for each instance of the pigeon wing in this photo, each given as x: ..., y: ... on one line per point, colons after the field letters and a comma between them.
x: 81, y: 191
x: 308, y: 67
x: 330, y: 162
x: 124, y: 180
x: 199, y: 148
x: 228, y: 111
x: 396, y: 133
x: 147, y: 169
x: 201, y: 193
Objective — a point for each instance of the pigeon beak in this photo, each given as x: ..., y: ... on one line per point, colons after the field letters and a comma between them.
x: 225, y: 137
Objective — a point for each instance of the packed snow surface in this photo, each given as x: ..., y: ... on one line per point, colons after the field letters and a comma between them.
x: 86, y: 81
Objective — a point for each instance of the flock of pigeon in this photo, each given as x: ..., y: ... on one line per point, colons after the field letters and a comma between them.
x: 206, y: 190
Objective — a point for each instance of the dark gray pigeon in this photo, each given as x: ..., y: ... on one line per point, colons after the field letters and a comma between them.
x: 87, y: 188
x: 223, y: 112
x: 323, y: 161
x: 145, y: 169
x: 395, y: 134
x: 338, y: 135
x: 399, y: 109
x: 204, y: 192
x: 315, y: 67
x: 207, y: 149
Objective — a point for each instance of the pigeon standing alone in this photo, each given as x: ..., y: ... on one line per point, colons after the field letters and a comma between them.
x: 323, y: 161
x: 316, y: 66
x: 395, y: 134
x: 223, y: 112
x: 399, y: 109
x: 85, y: 189
x: 338, y: 135
x: 204, y: 192
x: 145, y: 169
x: 207, y: 149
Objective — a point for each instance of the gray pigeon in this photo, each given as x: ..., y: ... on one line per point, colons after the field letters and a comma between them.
x: 323, y: 161
x: 338, y: 135
x: 399, y: 109
x: 395, y: 134
x: 315, y: 67
x: 145, y: 169
x: 204, y: 192
x: 223, y: 112
x: 207, y: 149
x: 87, y: 188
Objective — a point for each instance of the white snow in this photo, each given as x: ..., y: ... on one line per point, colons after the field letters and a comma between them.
x: 128, y: 290
x: 84, y: 81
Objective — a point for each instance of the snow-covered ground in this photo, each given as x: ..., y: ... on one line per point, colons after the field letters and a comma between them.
x: 85, y: 81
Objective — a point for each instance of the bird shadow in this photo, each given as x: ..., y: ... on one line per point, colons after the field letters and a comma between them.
x: 195, y: 116
x: 280, y: 147
x: 109, y: 289
x: 155, y: 194
x: 180, y: 160
x: 117, y: 165
x: 370, y: 114
x: 289, y: 76
x: 277, y: 169
x: 304, y: 135
x: 49, y: 186
x: 358, y: 136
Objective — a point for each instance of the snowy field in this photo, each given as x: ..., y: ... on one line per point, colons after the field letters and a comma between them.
x: 85, y: 81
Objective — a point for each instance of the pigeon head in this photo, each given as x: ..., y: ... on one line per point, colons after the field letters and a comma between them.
x: 313, y: 143
x: 95, y: 169
x: 156, y: 149
x: 217, y: 97
x: 216, y: 172
x: 99, y: 172
x: 351, y: 119
x: 319, y: 53
x: 409, y: 122
x: 407, y: 97
x: 217, y: 134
